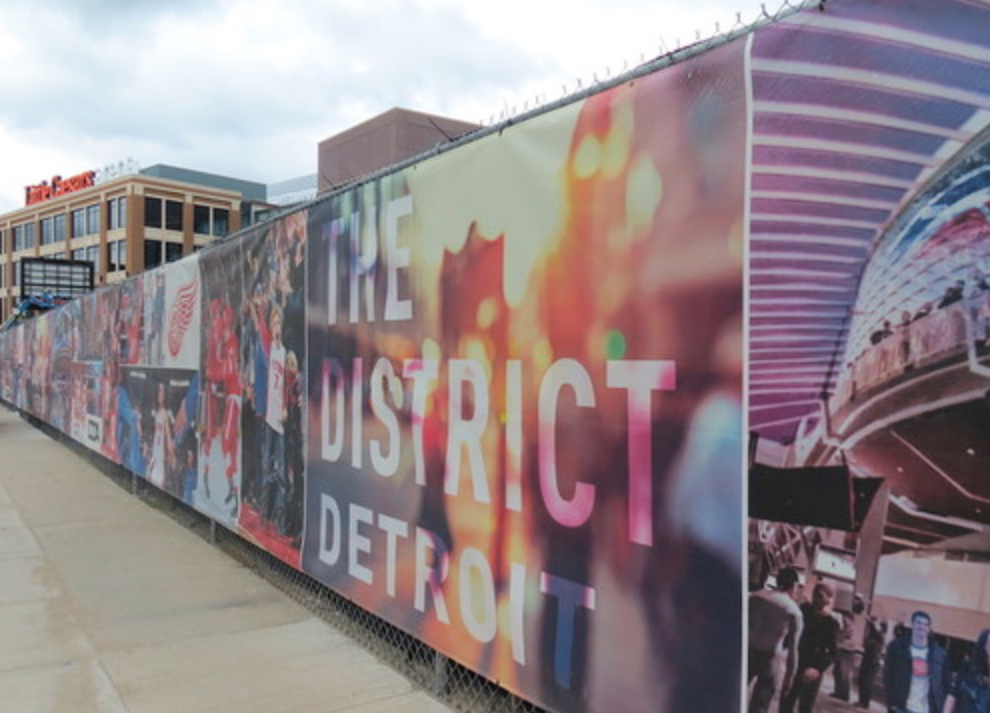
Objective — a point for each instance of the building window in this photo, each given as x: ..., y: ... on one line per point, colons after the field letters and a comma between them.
x: 116, y: 255
x: 53, y: 229
x: 17, y: 274
x: 221, y: 222
x: 116, y: 213
x: 211, y: 221
x: 78, y: 222
x: 173, y: 251
x: 24, y: 236
x: 152, y: 254
x: 201, y: 219
x: 93, y: 219
x: 60, y: 228
x: 152, y: 212
x: 173, y: 215
x: 79, y: 254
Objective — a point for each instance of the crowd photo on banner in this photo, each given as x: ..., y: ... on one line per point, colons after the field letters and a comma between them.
x: 869, y: 363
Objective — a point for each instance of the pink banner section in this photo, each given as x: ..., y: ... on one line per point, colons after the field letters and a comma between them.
x: 868, y: 364
x: 524, y: 439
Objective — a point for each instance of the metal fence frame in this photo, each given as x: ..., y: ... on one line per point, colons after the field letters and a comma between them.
x: 446, y: 680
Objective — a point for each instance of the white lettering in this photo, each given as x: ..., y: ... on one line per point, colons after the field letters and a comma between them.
x: 466, y: 432
x: 393, y: 529
x: 430, y: 574
x: 640, y: 379
x: 477, y: 591
x: 358, y: 543
x: 383, y: 373
x: 566, y: 372
x: 329, y: 505
x: 396, y: 309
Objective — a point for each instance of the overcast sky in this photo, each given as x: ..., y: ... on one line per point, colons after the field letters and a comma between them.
x: 249, y: 87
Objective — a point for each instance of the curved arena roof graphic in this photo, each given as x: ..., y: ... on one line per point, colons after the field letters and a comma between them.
x: 856, y: 111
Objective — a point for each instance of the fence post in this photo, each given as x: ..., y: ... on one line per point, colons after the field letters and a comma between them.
x: 439, y: 674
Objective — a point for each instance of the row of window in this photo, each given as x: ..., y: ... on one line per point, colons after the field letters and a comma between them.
x: 53, y: 229
x: 117, y: 255
x: 86, y: 221
x: 117, y: 213
x: 211, y: 221
x: 157, y: 253
x: 116, y: 258
x: 23, y: 236
x: 3, y: 276
x: 158, y: 213
x: 162, y: 214
x: 89, y: 254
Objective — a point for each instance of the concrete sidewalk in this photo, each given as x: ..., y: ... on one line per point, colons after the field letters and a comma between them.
x: 109, y: 605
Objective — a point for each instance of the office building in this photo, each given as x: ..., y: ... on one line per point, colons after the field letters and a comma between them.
x: 122, y: 220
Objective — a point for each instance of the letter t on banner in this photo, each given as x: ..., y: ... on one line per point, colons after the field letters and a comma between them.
x: 640, y: 379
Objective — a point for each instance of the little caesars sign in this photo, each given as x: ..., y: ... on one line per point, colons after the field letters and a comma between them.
x: 60, y: 186
x: 57, y: 187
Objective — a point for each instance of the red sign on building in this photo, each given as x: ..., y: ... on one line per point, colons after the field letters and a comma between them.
x: 58, y: 186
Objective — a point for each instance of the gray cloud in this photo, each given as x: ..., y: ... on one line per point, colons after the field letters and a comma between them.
x: 192, y: 77
x: 238, y: 87
x: 148, y: 74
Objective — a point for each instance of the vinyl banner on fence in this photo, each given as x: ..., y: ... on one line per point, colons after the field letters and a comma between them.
x: 219, y: 476
x: 493, y: 398
x: 869, y: 364
x: 524, y: 378
x: 272, y: 343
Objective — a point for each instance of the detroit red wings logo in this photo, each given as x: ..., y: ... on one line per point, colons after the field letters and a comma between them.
x: 181, y: 315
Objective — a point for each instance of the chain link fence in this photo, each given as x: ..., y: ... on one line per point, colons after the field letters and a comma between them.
x: 446, y: 680
x: 449, y: 682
